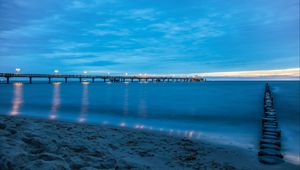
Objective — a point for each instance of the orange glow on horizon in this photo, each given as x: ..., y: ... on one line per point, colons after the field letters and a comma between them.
x: 292, y: 72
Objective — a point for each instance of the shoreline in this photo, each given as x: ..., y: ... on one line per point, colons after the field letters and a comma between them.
x: 46, y: 144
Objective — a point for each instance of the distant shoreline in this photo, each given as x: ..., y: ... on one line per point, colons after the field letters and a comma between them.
x: 36, y: 143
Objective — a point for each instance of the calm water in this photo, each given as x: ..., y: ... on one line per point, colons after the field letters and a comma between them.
x: 227, y: 112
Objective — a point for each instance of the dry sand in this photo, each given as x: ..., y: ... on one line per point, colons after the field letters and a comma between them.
x: 28, y: 143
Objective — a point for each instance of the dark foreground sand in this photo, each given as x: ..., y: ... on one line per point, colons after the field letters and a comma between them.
x: 41, y: 144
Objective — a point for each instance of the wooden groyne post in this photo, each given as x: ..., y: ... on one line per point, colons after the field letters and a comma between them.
x: 270, y: 142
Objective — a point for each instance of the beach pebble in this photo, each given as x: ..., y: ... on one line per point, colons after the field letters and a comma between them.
x: 12, y: 155
x: 76, y: 162
x: 33, y: 141
x: 12, y: 131
x: 47, y: 165
x: 49, y: 157
x: 89, y: 168
x: 2, y: 125
x: 4, y: 132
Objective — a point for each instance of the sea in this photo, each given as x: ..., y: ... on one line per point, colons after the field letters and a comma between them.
x: 227, y: 112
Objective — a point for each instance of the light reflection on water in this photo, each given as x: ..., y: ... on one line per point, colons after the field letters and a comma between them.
x: 84, y: 103
x: 126, y: 101
x: 17, y: 99
x: 55, y: 101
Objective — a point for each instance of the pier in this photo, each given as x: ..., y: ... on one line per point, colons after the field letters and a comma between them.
x: 104, y: 78
x: 270, y: 143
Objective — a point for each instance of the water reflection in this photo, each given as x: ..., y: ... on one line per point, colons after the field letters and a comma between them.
x: 84, y: 103
x: 189, y: 134
x: 122, y: 124
x: 55, y: 101
x: 142, y: 108
x: 17, y: 99
x: 125, y: 109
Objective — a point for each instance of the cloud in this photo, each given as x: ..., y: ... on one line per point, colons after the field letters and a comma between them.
x: 139, y: 14
x: 69, y: 46
x: 188, y: 29
x: 84, y: 4
x: 33, y: 29
x: 89, y: 62
x: 99, y: 32
x: 107, y: 23
x: 129, y: 57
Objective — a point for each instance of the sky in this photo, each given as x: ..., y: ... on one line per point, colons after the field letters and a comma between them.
x: 150, y: 36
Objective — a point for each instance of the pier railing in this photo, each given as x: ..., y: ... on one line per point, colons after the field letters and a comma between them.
x: 105, y: 78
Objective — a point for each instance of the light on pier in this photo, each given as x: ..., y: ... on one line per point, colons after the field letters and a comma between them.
x: 56, y: 71
x: 18, y: 70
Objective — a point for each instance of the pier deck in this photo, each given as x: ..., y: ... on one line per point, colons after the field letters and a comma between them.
x: 105, y: 78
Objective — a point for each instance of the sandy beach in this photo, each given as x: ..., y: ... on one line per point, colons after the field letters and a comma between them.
x: 28, y: 143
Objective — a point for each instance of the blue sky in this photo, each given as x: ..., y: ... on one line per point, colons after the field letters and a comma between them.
x: 148, y: 36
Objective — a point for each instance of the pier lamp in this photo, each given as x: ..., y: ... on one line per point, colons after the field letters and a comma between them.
x: 84, y: 72
x: 108, y: 73
x: 18, y: 70
x: 56, y: 71
x: 126, y: 74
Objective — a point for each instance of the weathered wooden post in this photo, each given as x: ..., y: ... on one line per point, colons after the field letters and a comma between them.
x: 49, y: 80
x: 93, y: 80
x: 30, y: 80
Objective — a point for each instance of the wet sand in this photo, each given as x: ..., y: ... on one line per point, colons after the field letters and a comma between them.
x: 28, y: 143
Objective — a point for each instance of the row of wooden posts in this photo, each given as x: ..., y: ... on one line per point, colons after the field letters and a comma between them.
x: 270, y: 142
